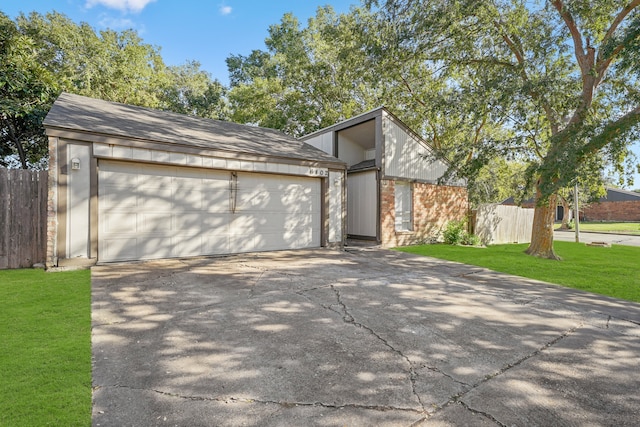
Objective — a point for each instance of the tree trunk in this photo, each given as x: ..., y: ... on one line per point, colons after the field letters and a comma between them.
x: 565, y: 213
x: 542, y: 233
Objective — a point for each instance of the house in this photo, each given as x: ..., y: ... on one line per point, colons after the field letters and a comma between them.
x: 393, y: 192
x: 616, y: 206
x: 131, y: 183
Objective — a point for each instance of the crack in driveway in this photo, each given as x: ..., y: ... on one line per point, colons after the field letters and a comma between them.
x: 348, y: 318
x: 286, y: 404
x: 457, y: 398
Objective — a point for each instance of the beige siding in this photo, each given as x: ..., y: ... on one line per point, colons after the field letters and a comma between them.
x: 78, y: 198
x: 407, y: 157
x: 322, y: 142
x: 362, y: 202
x: 336, y: 184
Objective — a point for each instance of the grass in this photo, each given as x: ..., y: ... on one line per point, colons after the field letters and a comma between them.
x: 611, y: 227
x: 45, y: 348
x: 607, y: 271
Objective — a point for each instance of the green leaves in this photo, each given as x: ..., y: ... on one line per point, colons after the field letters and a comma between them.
x: 43, y: 55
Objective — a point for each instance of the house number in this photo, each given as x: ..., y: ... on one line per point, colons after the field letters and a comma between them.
x: 318, y: 172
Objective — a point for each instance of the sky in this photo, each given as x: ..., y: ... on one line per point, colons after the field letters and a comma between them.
x: 207, y: 31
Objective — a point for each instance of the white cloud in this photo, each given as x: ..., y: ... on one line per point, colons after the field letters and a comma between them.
x: 225, y: 10
x: 107, y: 21
x: 134, y: 6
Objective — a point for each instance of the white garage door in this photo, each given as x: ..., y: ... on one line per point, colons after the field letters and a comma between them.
x: 151, y: 211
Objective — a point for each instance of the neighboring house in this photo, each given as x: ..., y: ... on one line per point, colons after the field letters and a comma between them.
x: 393, y: 194
x: 132, y: 183
x: 616, y: 205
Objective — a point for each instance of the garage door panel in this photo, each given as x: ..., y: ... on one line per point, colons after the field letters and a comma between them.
x: 178, y: 211
x: 118, y: 197
x: 203, y: 222
x: 243, y: 224
x: 243, y: 242
x: 119, y: 223
x: 152, y: 181
x: 187, y: 200
x: 216, y: 244
x: 154, y: 222
x: 216, y: 200
x: 155, y: 199
x: 278, y: 201
x: 119, y: 249
x: 187, y: 245
x: 153, y: 247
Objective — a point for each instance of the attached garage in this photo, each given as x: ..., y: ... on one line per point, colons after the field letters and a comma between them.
x: 130, y: 183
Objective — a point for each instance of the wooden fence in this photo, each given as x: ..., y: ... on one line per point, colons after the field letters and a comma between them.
x: 497, y: 224
x: 23, y: 218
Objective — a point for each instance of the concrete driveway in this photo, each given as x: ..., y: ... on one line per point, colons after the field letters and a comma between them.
x: 362, y: 338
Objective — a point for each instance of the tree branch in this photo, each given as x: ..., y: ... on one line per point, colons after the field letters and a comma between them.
x: 523, y: 72
x: 573, y: 29
x: 610, y: 131
x: 602, y: 64
x: 618, y: 20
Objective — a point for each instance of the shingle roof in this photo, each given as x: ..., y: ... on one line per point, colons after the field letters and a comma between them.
x: 618, y: 195
x: 364, y: 165
x: 80, y: 113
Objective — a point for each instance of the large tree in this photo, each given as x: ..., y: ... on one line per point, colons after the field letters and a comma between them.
x: 308, y: 78
x: 42, y: 55
x: 26, y: 92
x: 561, y: 78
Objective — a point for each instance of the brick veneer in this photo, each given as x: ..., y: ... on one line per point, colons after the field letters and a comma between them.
x: 433, y: 207
x: 612, y: 211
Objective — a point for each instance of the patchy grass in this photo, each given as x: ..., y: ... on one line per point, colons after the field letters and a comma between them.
x: 607, y: 271
x: 611, y: 227
x: 45, y: 336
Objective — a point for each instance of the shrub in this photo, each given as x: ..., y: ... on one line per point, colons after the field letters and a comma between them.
x: 455, y: 231
x: 471, y: 240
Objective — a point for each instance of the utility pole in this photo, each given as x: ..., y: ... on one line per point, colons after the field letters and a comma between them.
x: 576, y: 213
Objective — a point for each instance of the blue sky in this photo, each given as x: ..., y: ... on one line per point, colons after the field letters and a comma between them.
x: 205, y: 31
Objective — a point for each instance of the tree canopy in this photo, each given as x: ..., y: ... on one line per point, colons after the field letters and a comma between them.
x: 43, y: 55
x: 559, y: 79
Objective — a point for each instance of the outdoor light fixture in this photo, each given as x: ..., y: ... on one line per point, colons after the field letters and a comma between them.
x: 75, y: 164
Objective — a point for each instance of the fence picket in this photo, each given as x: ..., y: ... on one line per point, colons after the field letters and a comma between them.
x: 23, y: 218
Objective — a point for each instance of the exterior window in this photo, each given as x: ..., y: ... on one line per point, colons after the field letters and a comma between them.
x: 404, y: 206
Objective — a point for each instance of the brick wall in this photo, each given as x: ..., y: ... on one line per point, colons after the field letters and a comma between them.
x: 612, y: 211
x: 433, y: 207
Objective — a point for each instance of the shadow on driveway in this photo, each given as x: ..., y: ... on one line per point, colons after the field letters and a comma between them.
x: 367, y: 337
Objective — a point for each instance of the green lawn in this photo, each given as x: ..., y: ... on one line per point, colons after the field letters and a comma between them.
x: 610, y: 271
x: 611, y: 227
x: 45, y: 348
